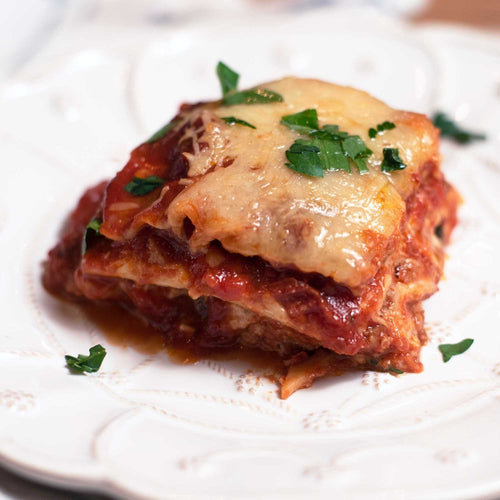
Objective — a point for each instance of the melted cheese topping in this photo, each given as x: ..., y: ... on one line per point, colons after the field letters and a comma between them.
x: 339, y: 225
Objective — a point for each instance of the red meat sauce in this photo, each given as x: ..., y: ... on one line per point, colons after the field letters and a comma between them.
x: 309, y: 299
x: 163, y: 158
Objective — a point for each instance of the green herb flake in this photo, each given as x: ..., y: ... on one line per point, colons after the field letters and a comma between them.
x: 304, y: 122
x: 231, y: 120
x: 356, y: 150
x: 227, y: 77
x: 333, y: 149
x: 450, y: 350
x: 332, y: 154
x: 92, y: 228
x: 333, y: 131
x: 230, y: 96
x: 313, y: 157
x: 450, y: 129
x: 252, y: 96
x: 94, y: 224
x: 392, y: 161
x: 385, y: 126
x: 90, y: 363
x: 395, y: 370
x: 304, y: 158
x: 141, y: 187
x: 373, y: 132
x: 159, y: 134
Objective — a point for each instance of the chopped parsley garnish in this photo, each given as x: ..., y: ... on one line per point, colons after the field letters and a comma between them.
x: 372, y: 132
x: 327, y: 148
x: 450, y: 350
x: 304, y: 158
x: 304, y: 122
x: 357, y: 151
x: 94, y: 224
x: 395, y: 370
x: 227, y: 77
x: 92, y: 228
x: 232, y: 120
x: 391, y: 160
x: 141, y: 187
x: 90, y: 363
x: 230, y: 96
x: 162, y: 132
x: 334, y: 131
x: 253, y: 96
x: 450, y: 129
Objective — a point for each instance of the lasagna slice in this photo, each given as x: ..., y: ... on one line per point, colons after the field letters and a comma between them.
x: 215, y: 237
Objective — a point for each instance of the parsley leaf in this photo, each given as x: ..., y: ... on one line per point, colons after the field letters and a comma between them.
x: 391, y: 160
x: 94, y: 224
x: 385, y: 126
x: 304, y: 158
x: 312, y: 157
x: 232, y: 120
x: 356, y: 150
x: 450, y: 129
x: 372, y: 132
x: 252, y: 96
x: 333, y: 148
x: 304, y: 122
x: 450, y: 350
x: 229, y: 83
x: 141, y: 187
x: 333, y: 130
x: 90, y: 363
x: 227, y: 77
x: 332, y: 155
x: 159, y: 134
x: 395, y: 370
x: 92, y: 228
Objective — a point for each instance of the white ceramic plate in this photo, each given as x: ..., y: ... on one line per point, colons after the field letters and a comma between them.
x: 146, y: 427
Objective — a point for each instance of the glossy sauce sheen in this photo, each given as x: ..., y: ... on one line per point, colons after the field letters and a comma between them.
x: 124, y: 329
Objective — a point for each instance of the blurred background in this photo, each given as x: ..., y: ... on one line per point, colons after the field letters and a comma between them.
x: 31, y: 28
x: 28, y: 26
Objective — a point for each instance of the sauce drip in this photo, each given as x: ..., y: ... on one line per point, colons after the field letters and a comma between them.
x: 122, y: 328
